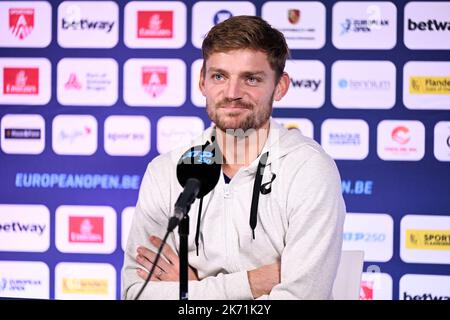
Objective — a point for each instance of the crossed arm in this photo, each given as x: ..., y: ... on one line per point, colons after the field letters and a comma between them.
x: 261, y: 280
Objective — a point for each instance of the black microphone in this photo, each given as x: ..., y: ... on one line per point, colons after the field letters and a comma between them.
x: 198, y: 172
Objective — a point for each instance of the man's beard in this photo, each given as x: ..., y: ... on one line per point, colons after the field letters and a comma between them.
x: 253, y: 120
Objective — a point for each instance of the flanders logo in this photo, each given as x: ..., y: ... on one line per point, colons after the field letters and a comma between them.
x: 429, y: 85
x: 85, y: 286
x: 428, y: 239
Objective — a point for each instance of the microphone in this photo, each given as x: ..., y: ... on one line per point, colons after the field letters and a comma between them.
x: 198, y: 172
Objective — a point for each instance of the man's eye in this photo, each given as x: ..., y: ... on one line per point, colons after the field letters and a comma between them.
x: 253, y: 80
x: 217, y: 76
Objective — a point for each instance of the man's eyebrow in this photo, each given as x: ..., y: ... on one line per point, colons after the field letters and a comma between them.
x: 253, y: 73
x: 212, y: 69
x: 244, y: 73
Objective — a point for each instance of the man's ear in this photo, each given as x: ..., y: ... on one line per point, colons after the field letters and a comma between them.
x: 282, y: 87
x: 201, y: 82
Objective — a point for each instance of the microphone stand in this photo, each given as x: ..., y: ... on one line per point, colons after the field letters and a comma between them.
x: 183, y: 231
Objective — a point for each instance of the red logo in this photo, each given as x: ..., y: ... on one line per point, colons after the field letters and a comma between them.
x: 366, y: 292
x: 155, y: 24
x: 400, y: 135
x: 73, y: 82
x: 21, y: 81
x: 154, y: 79
x: 21, y: 22
x: 294, y: 16
x: 86, y: 229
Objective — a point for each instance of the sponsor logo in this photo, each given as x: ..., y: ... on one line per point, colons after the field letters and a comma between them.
x: 302, y: 24
x: 86, y: 24
x: 74, y: 134
x: 73, y: 82
x: 357, y: 25
x: 206, y: 14
x: 294, y: 16
x: 400, y: 134
x: 401, y: 140
x: 22, y: 134
x: 364, y: 85
x: 89, y: 24
x: 71, y: 136
x: 24, y: 279
x: 428, y: 25
x: 425, y: 239
x: 364, y: 236
x: 426, y: 85
x: 304, y: 125
x: 18, y: 284
x: 221, y: 16
x: 442, y: 140
x: 127, y: 135
x: 429, y: 85
x: 85, y: 281
x: 84, y: 286
x: 83, y: 81
x: 428, y: 239
x: 371, y: 232
x: 154, y: 79
x: 21, y: 22
x: 11, y: 133
x: 19, y: 227
x: 362, y: 25
x: 375, y: 285
x: 155, y: 24
x: 154, y: 82
x: 424, y: 296
x: 366, y: 291
x: 312, y: 84
x: 345, y: 139
x: 24, y: 228
x: 174, y: 132
x: 21, y: 81
x: 307, y: 89
x: 86, y: 229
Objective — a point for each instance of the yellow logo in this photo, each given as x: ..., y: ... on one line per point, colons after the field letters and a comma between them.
x: 428, y: 239
x: 429, y: 85
x: 291, y: 125
x: 85, y: 286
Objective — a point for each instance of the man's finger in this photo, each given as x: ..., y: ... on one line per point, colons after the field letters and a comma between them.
x: 167, y: 250
x: 151, y: 257
x: 144, y: 274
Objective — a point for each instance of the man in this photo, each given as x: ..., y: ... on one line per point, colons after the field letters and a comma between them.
x: 292, y: 245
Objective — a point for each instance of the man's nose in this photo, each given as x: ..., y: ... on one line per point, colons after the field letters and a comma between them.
x: 233, y: 89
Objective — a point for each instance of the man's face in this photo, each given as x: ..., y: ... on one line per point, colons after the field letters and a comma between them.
x: 239, y: 87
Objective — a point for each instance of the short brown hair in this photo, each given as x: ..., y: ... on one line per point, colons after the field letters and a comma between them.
x: 247, y: 32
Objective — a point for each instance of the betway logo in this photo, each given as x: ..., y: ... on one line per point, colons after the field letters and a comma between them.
x: 425, y: 296
x: 430, y: 25
x: 306, y: 83
x: 85, y: 24
x: 22, y: 227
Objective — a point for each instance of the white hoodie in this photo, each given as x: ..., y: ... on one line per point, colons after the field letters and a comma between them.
x: 300, y: 223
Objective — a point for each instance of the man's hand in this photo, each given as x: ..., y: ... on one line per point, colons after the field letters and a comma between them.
x: 263, y: 279
x: 168, y: 267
